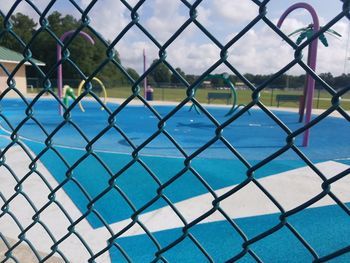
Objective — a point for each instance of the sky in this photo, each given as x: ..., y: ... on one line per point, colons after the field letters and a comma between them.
x: 259, y: 51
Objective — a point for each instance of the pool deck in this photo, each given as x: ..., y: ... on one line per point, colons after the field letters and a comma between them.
x: 291, y: 188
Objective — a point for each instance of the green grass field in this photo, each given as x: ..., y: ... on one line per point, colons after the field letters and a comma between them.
x: 244, y: 96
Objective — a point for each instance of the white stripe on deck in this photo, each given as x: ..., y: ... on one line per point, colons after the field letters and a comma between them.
x: 291, y: 189
x: 53, y: 218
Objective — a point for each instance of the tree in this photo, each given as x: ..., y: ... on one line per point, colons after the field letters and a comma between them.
x: 296, y: 82
x: 217, y: 82
x: 44, y: 46
x: 234, y: 79
x: 161, y: 73
x: 23, y: 27
x: 280, y: 82
x: 82, y: 53
x: 327, y: 77
x: 175, y: 78
x: 150, y: 81
x: 191, y: 78
x: 132, y: 72
x: 341, y: 81
x: 250, y: 77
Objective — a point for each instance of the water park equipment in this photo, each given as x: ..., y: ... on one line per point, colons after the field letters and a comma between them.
x: 311, y: 60
x: 226, y: 78
x: 103, y: 89
x: 306, y: 33
x: 59, y: 58
x: 68, y: 92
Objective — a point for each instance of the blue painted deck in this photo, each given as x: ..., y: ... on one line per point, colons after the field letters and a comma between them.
x: 255, y: 137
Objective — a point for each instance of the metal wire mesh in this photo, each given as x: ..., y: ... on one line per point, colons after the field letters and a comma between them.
x: 114, y: 239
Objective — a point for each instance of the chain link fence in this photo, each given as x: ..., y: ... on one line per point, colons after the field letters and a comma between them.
x: 41, y: 237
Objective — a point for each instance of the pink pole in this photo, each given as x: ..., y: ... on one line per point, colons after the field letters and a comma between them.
x: 144, y: 70
x: 312, y: 57
x: 59, y: 58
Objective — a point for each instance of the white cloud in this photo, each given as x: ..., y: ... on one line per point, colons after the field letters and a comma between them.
x: 204, y: 15
x: 260, y: 51
x: 291, y: 24
x: 165, y: 19
x: 236, y: 11
x: 333, y: 57
x: 23, y: 7
x: 193, y: 56
x: 109, y: 17
x: 6, y: 5
x: 190, y: 57
x: 131, y: 54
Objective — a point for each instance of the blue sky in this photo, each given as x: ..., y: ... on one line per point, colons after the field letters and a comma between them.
x: 193, y: 51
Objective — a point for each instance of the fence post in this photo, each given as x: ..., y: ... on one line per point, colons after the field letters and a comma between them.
x: 271, y: 100
x: 318, y: 98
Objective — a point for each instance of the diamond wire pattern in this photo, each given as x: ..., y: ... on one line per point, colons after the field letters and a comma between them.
x: 113, y: 239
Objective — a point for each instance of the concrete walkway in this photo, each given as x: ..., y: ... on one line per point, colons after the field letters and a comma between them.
x: 23, y: 253
x: 52, y: 217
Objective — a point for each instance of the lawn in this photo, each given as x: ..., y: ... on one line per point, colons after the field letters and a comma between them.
x: 268, y: 97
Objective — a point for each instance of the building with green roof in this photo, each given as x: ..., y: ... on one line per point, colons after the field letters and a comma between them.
x: 9, y: 59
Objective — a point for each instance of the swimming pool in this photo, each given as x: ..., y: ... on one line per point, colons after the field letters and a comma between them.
x: 254, y: 136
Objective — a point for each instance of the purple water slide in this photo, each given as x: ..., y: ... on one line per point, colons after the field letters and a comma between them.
x: 312, y: 57
x: 59, y: 58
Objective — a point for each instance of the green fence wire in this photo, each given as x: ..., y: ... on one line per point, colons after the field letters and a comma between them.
x: 114, y: 240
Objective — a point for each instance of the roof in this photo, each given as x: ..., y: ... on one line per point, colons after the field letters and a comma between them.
x: 10, y: 56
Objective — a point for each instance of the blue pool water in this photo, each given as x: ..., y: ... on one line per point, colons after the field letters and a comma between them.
x: 254, y: 136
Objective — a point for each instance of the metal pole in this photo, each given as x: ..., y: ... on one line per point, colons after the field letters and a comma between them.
x: 318, y: 98
x: 145, y: 79
x: 271, y: 100
x: 347, y: 50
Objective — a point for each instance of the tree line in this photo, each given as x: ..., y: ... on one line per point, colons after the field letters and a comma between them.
x: 83, y: 55
x: 162, y: 75
x: 87, y: 57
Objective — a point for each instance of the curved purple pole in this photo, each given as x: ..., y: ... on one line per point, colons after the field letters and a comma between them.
x: 59, y: 58
x: 311, y: 61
